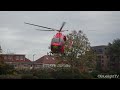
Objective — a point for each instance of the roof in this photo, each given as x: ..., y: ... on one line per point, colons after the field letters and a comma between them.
x: 13, y: 54
x: 46, y: 60
x: 49, y: 60
x: 100, y: 46
x: 27, y: 60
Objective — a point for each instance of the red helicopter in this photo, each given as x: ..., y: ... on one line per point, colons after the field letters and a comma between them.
x: 58, y: 41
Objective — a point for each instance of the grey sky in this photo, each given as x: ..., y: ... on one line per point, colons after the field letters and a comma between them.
x: 17, y: 37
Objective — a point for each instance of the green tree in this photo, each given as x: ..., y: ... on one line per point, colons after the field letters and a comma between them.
x: 6, y: 68
x: 78, y: 52
x: 113, y: 51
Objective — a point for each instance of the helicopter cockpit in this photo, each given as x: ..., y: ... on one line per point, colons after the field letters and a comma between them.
x: 57, y: 40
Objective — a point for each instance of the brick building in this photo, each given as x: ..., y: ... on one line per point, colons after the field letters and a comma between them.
x: 102, y: 58
x: 18, y: 60
x: 48, y: 61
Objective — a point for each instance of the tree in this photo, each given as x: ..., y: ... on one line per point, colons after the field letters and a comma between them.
x: 6, y: 68
x: 113, y: 51
x: 78, y: 52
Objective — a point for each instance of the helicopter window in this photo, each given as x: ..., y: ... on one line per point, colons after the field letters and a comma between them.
x: 57, y: 40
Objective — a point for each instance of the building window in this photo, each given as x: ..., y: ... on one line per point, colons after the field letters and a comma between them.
x: 94, y: 50
x: 102, y: 56
x: 100, y: 50
x: 21, y: 58
x: 25, y: 65
x: 102, y: 61
x: 10, y: 57
x: 5, y: 57
x: 17, y: 57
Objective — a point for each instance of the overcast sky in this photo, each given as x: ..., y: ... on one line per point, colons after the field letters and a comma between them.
x: 20, y: 38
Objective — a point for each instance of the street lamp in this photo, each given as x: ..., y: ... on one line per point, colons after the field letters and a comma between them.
x: 33, y: 60
x: 33, y: 56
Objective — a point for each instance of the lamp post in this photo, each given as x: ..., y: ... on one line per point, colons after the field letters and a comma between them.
x: 33, y: 60
x: 33, y: 56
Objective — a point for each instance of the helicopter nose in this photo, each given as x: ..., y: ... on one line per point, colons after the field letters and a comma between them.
x: 55, y: 47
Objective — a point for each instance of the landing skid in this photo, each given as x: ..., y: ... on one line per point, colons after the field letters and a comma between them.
x: 55, y: 54
x: 50, y: 53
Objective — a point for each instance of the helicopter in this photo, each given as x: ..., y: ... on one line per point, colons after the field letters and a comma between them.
x: 58, y: 41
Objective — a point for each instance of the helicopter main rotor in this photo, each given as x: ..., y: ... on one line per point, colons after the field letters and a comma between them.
x: 49, y: 29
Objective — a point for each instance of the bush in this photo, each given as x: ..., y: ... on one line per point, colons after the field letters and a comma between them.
x: 6, y: 68
x: 28, y: 76
x: 65, y: 73
x: 10, y: 77
x: 95, y: 73
x: 43, y: 74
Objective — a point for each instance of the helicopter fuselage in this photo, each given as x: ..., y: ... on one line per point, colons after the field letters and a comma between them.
x: 57, y: 43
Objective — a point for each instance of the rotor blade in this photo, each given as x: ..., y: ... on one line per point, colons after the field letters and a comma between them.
x: 64, y: 30
x: 47, y: 30
x: 62, y: 26
x: 44, y: 30
x: 39, y: 26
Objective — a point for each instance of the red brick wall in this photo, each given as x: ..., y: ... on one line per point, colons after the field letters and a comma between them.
x: 14, y: 57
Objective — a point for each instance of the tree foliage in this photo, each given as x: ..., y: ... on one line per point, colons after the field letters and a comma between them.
x: 78, y: 51
x: 113, y: 51
x: 114, y: 48
x: 6, y: 68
